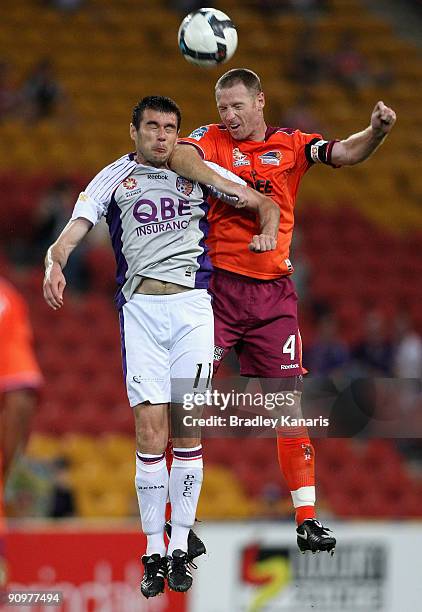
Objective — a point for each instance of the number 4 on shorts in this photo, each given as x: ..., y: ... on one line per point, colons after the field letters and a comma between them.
x: 289, y: 346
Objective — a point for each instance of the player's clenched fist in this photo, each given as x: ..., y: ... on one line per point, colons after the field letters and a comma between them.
x: 53, y: 286
x: 383, y: 118
x: 262, y: 243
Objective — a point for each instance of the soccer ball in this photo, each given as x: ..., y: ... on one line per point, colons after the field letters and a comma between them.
x: 207, y: 37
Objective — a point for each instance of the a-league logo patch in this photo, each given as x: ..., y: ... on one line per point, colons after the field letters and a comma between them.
x: 271, y: 157
x: 218, y: 353
x: 199, y: 133
x: 184, y: 185
x: 130, y: 183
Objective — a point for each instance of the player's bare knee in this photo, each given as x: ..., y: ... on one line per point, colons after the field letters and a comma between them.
x: 151, y: 427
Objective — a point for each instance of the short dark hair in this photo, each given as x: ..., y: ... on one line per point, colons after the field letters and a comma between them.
x: 162, y: 104
x: 239, y: 75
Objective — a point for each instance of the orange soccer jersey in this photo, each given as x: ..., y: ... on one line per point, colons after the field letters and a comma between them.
x: 18, y: 366
x: 273, y: 167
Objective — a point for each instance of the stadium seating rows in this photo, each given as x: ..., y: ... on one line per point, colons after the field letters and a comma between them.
x: 126, y: 56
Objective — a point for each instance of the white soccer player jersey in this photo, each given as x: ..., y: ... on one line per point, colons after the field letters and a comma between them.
x: 157, y: 222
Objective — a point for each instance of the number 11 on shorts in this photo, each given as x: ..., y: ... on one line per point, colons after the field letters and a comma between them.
x: 198, y: 375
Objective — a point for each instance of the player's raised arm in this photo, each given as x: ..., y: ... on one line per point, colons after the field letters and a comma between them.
x: 358, y: 147
x: 56, y: 259
x: 186, y: 161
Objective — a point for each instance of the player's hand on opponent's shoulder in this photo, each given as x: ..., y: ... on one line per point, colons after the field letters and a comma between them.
x: 53, y: 285
x: 262, y: 243
x: 383, y: 118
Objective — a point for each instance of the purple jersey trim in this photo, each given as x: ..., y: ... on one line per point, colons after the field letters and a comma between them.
x: 203, y: 274
x: 123, y: 344
x: 115, y: 227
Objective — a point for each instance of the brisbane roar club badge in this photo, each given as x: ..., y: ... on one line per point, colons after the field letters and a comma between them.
x: 240, y: 159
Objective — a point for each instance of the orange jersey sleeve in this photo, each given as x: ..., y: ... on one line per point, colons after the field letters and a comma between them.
x: 205, y: 139
x: 18, y: 365
x: 273, y: 167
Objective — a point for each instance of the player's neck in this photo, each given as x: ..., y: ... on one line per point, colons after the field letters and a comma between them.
x: 258, y: 134
x: 140, y: 159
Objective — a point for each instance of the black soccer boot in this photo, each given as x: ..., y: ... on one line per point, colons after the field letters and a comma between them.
x: 155, y: 571
x: 196, y: 547
x: 311, y: 535
x: 179, y: 577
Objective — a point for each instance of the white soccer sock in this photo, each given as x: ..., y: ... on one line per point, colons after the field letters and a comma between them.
x: 152, y: 484
x: 185, y: 483
x: 304, y: 496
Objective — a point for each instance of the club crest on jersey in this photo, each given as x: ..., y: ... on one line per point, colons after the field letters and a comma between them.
x: 272, y: 158
x: 130, y: 183
x: 239, y: 158
x: 184, y: 185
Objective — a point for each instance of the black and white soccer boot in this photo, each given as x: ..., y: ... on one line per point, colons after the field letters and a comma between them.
x: 196, y: 547
x: 179, y: 577
x: 155, y: 571
x: 313, y: 536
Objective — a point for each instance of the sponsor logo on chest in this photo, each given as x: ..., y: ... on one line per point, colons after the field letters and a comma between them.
x: 271, y: 158
x: 166, y: 215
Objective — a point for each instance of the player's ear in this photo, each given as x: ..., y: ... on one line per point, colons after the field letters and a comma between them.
x: 132, y: 131
x: 261, y: 99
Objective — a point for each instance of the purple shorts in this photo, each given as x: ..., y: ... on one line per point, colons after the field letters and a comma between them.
x: 259, y: 319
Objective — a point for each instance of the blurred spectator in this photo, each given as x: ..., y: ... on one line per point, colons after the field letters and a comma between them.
x: 271, y: 7
x: 348, y: 66
x: 309, y: 9
x: 62, y: 503
x: 187, y: 6
x: 308, y: 64
x: 52, y: 215
x: 9, y: 96
x: 300, y: 116
x: 407, y: 350
x: 328, y: 354
x: 373, y: 356
x: 41, y: 92
x: 50, y: 218
x: 407, y: 364
x: 67, y: 6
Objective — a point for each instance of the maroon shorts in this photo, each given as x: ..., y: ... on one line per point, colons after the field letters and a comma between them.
x: 259, y: 319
